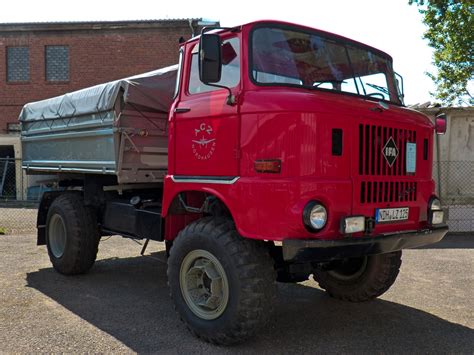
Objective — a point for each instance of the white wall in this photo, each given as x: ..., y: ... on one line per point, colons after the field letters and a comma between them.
x: 454, y: 172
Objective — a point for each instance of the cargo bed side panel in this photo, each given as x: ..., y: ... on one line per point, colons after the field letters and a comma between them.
x: 84, y: 144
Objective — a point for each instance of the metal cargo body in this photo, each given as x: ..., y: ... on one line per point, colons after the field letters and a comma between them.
x: 117, y: 128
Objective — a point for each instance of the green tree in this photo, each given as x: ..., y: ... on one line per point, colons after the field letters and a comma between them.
x: 451, y: 34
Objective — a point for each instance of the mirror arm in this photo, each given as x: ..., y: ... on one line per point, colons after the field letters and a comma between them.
x: 230, y: 98
x: 402, y: 93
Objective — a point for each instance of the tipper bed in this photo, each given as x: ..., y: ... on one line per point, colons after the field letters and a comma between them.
x: 116, y: 128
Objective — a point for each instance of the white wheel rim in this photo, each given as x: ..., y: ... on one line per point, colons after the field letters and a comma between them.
x: 57, y: 235
x: 204, y: 284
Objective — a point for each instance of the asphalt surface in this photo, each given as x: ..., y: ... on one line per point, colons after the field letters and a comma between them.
x: 122, y: 305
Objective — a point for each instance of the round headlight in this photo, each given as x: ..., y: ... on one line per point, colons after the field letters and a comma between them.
x: 315, y: 215
x: 435, y: 204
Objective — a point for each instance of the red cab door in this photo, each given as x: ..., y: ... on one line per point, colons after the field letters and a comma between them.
x: 206, y: 127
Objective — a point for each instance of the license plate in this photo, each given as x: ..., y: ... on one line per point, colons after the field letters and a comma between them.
x: 391, y: 214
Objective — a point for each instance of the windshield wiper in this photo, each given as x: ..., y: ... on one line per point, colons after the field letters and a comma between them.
x: 379, y: 88
x: 316, y: 84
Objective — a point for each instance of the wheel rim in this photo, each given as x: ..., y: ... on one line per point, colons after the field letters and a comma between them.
x: 57, y: 235
x: 351, y: 269
x: 204, y: 284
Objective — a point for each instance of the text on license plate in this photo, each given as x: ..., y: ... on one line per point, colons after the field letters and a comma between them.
x: 391, y: 214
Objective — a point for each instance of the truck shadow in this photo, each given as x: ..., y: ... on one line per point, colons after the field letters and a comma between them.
x: 128, y: 299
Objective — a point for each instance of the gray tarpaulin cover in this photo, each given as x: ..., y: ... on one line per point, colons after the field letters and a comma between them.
x: 153, y: 90
x: 117, y: 128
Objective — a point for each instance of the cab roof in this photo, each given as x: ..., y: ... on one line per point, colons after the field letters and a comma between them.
x: 283, y: 24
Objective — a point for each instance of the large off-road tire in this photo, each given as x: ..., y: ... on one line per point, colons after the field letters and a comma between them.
x: 72, y: 235
x: 222, y: 285
x: 361, y: 279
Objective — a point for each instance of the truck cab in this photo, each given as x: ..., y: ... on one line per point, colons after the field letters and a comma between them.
x: 290, y: 154
x: 315, y: 119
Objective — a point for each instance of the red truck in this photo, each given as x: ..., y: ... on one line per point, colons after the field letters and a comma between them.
x: 271, y: 152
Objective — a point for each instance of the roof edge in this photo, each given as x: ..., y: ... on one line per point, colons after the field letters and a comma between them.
x: 93, y: 25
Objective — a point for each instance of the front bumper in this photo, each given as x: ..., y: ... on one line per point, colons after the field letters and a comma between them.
x: 304, y: 250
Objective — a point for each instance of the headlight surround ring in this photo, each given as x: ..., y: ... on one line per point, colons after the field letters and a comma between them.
x: 315, y: 216
x: 434, y: 204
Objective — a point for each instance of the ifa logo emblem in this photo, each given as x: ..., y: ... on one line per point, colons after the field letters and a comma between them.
x: 390, y: 151
x: 204, y: 142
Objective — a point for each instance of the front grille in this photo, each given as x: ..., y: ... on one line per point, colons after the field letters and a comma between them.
x: 387, y: 191
x: 372, y: 139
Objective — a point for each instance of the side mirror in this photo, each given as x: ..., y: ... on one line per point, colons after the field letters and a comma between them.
x: 210, y: 58
x: 440, y: 123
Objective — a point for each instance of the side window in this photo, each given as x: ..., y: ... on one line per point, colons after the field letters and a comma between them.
x: 178, y: 74
x: 230, y: 68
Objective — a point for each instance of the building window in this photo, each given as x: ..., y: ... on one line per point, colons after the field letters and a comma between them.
x: 18, y: 64
x: 57, y: 63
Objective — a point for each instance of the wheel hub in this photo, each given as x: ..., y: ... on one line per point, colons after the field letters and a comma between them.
x: 204, y: 284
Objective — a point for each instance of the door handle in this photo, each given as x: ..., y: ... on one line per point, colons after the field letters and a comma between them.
x: 181, y: 109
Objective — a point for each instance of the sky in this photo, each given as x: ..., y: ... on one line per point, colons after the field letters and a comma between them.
x: 390, y: 25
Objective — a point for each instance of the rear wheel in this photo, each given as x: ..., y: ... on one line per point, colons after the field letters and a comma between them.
x: 222, y: 285
x: 72, y: 235
x: 360, y: 279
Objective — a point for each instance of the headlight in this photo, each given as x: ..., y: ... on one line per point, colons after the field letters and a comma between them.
x: 315, y: 216
x: 435, y: 204
x: 353, y: 224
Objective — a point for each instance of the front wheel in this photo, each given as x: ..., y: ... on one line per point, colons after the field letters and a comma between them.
x: 360, y: 279
x: 222, y: 285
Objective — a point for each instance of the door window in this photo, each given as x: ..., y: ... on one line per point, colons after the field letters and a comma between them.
x: 230, y: 68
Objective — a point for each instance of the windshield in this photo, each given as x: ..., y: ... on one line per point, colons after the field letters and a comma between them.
x: 292, y: 57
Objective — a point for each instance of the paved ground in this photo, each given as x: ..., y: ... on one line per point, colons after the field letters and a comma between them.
x: 123, y: 306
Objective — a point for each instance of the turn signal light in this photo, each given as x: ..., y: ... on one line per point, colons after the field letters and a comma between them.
x: 268, y: 166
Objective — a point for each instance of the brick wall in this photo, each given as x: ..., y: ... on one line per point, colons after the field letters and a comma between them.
x: 98, y: 52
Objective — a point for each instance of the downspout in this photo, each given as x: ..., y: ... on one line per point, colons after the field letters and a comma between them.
x: 191, y: 27
x: 439, y: 164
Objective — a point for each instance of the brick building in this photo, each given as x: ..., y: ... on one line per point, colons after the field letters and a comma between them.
x: 42, y: 60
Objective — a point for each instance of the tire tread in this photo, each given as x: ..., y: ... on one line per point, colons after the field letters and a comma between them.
x: 83, y: 235
x: 386, y: 270
x: 255, y: 270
